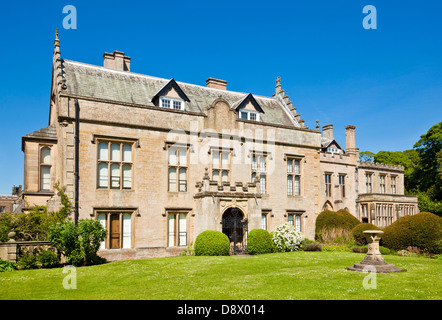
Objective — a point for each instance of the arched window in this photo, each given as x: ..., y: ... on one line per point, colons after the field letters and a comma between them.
x: 45, y: 168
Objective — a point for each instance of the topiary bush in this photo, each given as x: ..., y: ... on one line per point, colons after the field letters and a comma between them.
x: 358, y: 232
x: 423, y: 230
x: 212, y: 243
x: 331, y: 225
x: 259, y: 241
x: 286, y: 238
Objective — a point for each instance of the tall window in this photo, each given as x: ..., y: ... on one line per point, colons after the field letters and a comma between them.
x: 114, y: 165
x: 293, y: 177
x: 342, y: 185
x: 177, y: 229
x: 368, y: 182
x: 220, y: 166
x: 45, y: 168
x: 295, y: 221
x: 177, y: 170
x: 382, y: 184
x: 259, y: 168
x: 119, y: 227
x: 393, y: 185
x: 328, y: 185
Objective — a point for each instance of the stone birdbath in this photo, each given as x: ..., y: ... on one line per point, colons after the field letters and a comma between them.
x: 374, y: 260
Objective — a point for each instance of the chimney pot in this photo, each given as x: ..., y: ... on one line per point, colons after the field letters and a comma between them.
x: 216, y: 83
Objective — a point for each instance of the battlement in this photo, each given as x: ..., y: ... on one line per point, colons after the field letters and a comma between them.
x: 379, y: 166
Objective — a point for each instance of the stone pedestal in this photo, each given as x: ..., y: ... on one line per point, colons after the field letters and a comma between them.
x: 374, y: 260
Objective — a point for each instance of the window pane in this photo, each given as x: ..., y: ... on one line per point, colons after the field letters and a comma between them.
x: 127, y: 152
x: 115, y: 175
x: 297, y: 186
x: 45, y: 156
x: 253, y: 176
x: 183, y: 179
x: 171, y: 231
x: 290, y: 166
x: 183, y: 230
x: 290, y: 219
x: 215, y: 175
x: 264, y: 221
x: 45, y: 176
x: 225, y: 176
x: 297, y: 166
x: 254, y: 163
x: 289, y: 186
x: 215, y: 159
x: 183, y: 157
x: 102, y: 219
x: 172, y: 180
x: 177, y: 105
x: 127, y: 230
x: 262, y: 164
x: 252, y: 116
x: 165, y: 103
x: 225, y: 160
x: 262, y: 183
x: 102, y: 175
x: 172, y: 156
x: 115, y: 152
x: 243, y: 115
x: 298, y: 223
x: 127, y: 176
x: 103, y: 153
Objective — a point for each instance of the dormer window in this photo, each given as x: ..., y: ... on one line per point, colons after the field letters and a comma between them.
x: 171, y: 103
x: 249, y: 115
x: 333, y: 150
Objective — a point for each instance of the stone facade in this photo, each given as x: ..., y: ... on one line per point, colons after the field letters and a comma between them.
x: 160, y: 161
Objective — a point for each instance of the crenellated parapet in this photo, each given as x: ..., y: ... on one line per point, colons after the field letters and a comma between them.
x: 379, y: 166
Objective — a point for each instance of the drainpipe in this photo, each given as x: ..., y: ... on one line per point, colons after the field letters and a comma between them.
x: 77, y: 143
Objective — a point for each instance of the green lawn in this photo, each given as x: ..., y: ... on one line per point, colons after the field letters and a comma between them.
x: 294, y: 275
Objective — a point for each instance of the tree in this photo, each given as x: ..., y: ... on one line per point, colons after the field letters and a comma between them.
x: 366, y: 156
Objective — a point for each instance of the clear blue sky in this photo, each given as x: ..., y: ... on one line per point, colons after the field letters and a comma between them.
x: 387, y: 82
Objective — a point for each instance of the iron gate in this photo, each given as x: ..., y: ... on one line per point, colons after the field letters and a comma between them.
x: 235, y: 227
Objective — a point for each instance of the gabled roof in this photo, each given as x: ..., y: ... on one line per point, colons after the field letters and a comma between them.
x: 248, y: 98
x: 325, y: 143
x: 171, y: 84
x: 84, y: 80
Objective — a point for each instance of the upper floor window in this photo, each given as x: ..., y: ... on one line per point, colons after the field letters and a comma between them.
x: 220, y: 165
x: 259, y: 168
x: 249, y: 115
x: 45, y: 168
x: 328, y: 188
x: 393, y: 185
x: 382, y: 184
x: 342, y: 185
x: 293, y: 177
x: 368, y: 182
x: 177, y: 172
x: 114, y: 165
x: 172, y: 103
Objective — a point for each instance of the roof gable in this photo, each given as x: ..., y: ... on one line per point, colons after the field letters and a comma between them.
x: 171, y: 84
x: 248, y: 98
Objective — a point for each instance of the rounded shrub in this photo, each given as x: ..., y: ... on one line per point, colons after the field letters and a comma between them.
x: 259, y: 241
x: 48, y: 259
x: 212, y: 243
x: 423, y: 230
x: 358, y: 232
x: 287, y: 238
x: 331, y: 225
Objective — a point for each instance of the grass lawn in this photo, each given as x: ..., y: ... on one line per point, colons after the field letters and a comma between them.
x: 279, y: 276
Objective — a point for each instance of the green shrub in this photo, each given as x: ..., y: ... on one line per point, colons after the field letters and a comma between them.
x: 314, y: 246
x: 48, y: 259
x: 259, y: 241
x: 423, y: 230
x: 212, y: 243
x: 358, y: 232
x: 27, y: 261
x: 79, y: 244
x: 6, y: 266
x: 331, y: 226
x: 336, y: 249
x: 286, y: 238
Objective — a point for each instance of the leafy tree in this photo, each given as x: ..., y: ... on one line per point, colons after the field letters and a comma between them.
x: 366, y: 156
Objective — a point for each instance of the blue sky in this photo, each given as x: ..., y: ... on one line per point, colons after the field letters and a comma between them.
x: 387, y: 82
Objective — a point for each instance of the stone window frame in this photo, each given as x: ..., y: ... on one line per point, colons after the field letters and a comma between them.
x: 393, y: 184
x: 256, y: 171
x: 220, y: 169
x: 292, y: 175
x: 42, y: 165
x: 342, y: 186
x: 178, y: 166
x: 106, y: 245
x: 328, y: 184
x: 369, y: 182
x: 294, y: 218
x: 177, y: 233
x: 382, y: 184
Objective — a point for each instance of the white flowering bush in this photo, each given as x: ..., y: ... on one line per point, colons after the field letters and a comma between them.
x: 287, y: 238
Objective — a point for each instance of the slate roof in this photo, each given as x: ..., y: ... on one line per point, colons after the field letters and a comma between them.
x: 47, y: 133
x: 128, y: 87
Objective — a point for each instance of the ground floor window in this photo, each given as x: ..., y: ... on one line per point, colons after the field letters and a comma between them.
x: 177, y: 229
x: 295, y: 221
x: 119, y: 229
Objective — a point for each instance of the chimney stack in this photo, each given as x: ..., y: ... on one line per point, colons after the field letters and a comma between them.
x: 350, y: 143
x: 216, y: 83
x: 327, y: 131
x: 116, y: 61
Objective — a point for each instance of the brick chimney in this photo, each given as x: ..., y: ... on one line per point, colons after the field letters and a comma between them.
x: 116, y: 61
x: 350, y: 143
x: 327, y: 131
x: 216, y: 84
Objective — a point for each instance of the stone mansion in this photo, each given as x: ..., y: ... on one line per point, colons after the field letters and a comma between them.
x: 158, y: 161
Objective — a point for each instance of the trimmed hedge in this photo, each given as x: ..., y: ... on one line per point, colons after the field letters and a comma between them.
x: 358, y: 232
x: 259, y: 241
x: 423, y: 230
x: 341, y: 223
x: 212, y: 243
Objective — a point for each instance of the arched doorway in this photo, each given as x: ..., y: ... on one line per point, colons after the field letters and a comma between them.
x: 235, y: 227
